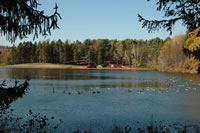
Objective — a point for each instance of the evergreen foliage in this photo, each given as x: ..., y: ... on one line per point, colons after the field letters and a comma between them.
x: 100, y: 51
x: 19, y: 18
x: 10, y: 94
x: 186, y: 11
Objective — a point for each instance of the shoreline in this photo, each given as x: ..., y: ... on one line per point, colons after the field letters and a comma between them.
x: 85, y: 67
x: 62, y: 66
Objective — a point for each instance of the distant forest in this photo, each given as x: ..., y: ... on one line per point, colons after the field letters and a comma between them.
x: 100, y: 51
x: 154, y: 53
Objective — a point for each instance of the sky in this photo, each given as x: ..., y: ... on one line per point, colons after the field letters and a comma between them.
x: 95, y: 19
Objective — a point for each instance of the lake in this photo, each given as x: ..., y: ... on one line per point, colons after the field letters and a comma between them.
x: 98, y: 99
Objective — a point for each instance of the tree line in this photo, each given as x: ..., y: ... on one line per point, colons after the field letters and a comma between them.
x: 97, y: 51
x: 172, y: 54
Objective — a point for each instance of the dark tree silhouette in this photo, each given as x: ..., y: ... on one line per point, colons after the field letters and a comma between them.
x: 187, y: 11
x: 10, y: 94
x: 19, y: 18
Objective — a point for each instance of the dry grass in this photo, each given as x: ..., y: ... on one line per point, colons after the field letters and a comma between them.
x: 45, y: 65
x: 62, y: 66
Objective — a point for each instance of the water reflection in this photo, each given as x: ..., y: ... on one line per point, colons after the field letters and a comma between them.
x: 107, y: 95
x: 66, y: 74
x: 86, y: 80
x: 78, y: 78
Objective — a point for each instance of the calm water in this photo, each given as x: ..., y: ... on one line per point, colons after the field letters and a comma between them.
x: 100, y: 98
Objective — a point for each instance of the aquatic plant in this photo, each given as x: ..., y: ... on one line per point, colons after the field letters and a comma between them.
x: 153, y: 127
x: 33, y: 122
x: 38, y: 123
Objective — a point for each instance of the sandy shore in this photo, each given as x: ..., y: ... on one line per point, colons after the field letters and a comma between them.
x: 62, y: 66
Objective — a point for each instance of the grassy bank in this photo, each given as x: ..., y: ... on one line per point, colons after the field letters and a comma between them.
x: 43, y: 65
x: 62, y: 66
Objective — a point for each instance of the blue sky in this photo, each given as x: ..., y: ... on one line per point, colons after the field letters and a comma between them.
x: 111, y: 19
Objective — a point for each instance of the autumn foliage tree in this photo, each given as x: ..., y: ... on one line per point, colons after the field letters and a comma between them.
x: 193, y: 43
x: 172, y: 53
x: 3, y: 51
x: 185, y: 11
